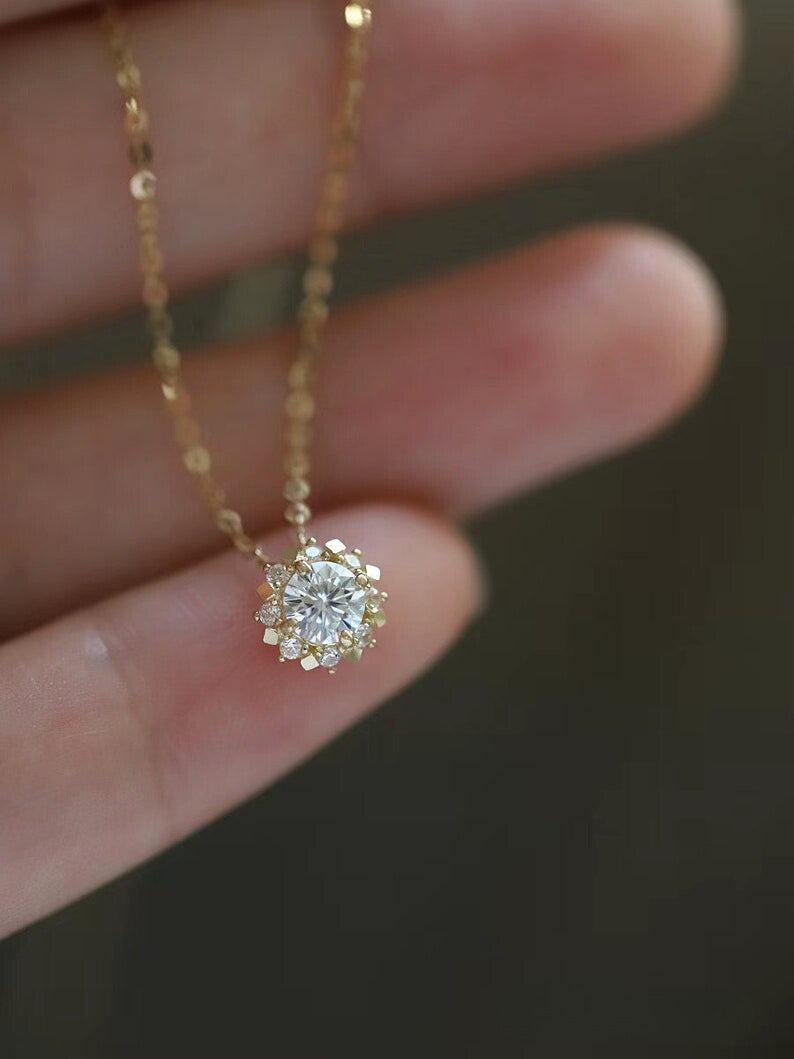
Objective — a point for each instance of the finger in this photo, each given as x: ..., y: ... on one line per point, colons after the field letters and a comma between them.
x: 14, y: 10
x: 461, y: 95
x: 126, y: 727
x: 458, y: 393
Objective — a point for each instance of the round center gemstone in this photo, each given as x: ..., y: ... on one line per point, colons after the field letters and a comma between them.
x: 324, y: 602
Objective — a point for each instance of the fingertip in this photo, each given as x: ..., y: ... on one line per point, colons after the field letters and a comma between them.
x: 714, y: 47
x: 690, y: 53
x: 697, y: 328
x: 670, y: 318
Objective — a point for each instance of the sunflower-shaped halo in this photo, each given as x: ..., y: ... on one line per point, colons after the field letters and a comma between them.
x: 321, y: 605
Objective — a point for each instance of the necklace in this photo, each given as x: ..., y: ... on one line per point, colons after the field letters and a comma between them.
x: 321, y: 604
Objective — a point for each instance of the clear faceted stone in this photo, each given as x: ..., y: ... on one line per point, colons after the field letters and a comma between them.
x: 277, y: 575
x: 269, y: 614
x: 364, y: 636
x: 330, y: 658
x: 324, y: 602
x: 291, y: 648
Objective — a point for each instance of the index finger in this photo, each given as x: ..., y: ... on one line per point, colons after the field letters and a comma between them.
x: 129, y: 725
x: 460, y: 96
x: 14, y: 10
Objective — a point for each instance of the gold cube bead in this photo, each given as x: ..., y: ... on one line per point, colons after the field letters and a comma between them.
x: 143, y: 185
x: 197, y: 460
x: 300, y: 405
x: 228, y: 521
x: 296, y: 489
x: 166, y: 358
x: 297, y: 514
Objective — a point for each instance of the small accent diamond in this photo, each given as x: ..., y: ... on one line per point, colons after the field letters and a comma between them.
x: 277, y: 575
x: 269, y: 614
x: 364, y: 636
x: 330, y: 658
x: 291, y: 648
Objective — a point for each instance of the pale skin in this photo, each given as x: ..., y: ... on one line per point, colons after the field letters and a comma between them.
x: 137, y: 700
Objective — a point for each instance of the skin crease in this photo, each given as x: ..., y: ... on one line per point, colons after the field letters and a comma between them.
x: 128, y: 723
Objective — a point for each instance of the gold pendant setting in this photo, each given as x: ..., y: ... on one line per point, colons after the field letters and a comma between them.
x: 321, y: 605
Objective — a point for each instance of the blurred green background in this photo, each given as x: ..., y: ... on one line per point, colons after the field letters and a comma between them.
x: 583, y: 847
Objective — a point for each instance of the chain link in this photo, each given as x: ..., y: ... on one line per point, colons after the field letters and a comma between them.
x: 318, y: 280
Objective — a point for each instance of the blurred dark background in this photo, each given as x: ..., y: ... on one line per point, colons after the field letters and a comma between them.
x: 580, y: 847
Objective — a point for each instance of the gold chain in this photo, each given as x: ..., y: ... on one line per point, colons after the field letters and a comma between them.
x: 317, y: 280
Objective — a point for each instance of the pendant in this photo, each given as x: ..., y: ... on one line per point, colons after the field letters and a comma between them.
x: 321, y: 605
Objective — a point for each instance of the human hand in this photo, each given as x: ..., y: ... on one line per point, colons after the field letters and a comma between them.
x: 129, y: 722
